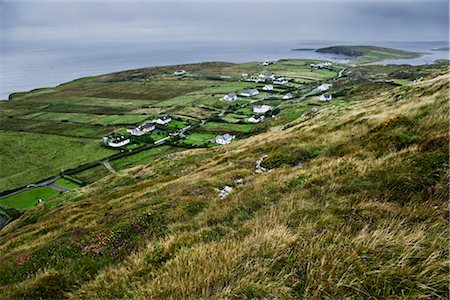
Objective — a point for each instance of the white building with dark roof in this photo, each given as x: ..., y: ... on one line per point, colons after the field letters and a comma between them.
x: 163, y: 120
x: 249, y: 93
x: 230, y: 97
x: 255, y: 119
x: 324, y: 87
x: 325, y: 97
x: 288, y: 96
x: 224, y: 139
x: 268, y: 87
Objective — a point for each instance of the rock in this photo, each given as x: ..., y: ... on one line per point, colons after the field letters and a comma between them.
x: 225, y: 191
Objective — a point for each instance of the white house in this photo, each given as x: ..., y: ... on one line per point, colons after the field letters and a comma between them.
x: 224, y: 139
x: 324, y: 87
x: 249, y: 93
x: 141, y: 129
x: 287, y: 96
x: 230, y: 97
x: 255, y: 119
x: 325, y: 97
x: 280, y: 80
x: 244, y: 75
x: 268, y: 87
x: 179, y: 72
x: 261, y: 109
x: 115, y: 142
x: 320, y: 65
x: 266, y: 63
x: 164, y: 120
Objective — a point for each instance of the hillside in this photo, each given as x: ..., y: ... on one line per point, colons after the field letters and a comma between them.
x: 368, y: 54
x: 355, y: 205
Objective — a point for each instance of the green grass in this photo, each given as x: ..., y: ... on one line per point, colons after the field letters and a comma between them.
x: 121, y: 119
x: 227, y: 127
x: 42, y: 156
x: 28, y: 199
x: 68, y: 184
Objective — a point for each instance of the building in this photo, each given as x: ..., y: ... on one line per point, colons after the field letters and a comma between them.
x: 163, y: 120
x: 141, y: 129
x: 324, y: 87
x: 287, y: 96
x: 249, y: 93
x: 320, y: 65
x: 224, y: 139
x: 230, y: 97
x: 255, y: 119
x: 280, y: 80
x: 179, y: 72
x: 115, y: 142
x: 325, y: 97
x: 268, y: 87
x: 262, y: 109
x: 266, y: 63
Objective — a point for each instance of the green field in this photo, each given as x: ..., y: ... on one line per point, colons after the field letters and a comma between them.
x: 61, y: 127
x: 227, y: 127
x: 42, y: 155
x: 27, y: 199
x: 198, y: 139
x: 66, y: 183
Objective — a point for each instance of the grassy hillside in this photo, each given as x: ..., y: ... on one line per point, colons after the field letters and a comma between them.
x: 355, y: 206
x: 368, y: 54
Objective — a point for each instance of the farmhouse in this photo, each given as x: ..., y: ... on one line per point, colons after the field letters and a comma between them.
x: 141, y: 129
x: 249, y: 93
x: 287, y: 96
x: 266, y: 63
x: 280, y: 80
x: 320, y: 65
x: 230, y: 97
x: 324, y: 87
x: 268, y: 87
x: 163, y: 120
x: 325, y: 97
x: 262, y: 109
x: 115, y: 142
x: 224, y: 139
x: 255, y: 119
x: 179, y: 72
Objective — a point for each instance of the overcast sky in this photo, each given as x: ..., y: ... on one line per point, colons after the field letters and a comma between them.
x: 126, y: 21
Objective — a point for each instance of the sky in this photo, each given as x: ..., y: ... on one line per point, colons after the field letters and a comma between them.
x: 85, y: 22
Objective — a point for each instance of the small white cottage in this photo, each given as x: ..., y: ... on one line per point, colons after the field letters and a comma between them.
x: 262, y: 109
x: 287, y: 96
x: 163, y: 120
x: 255, y: 119
x: 230, y: 97
x: 224, y: 139
x: 325, y: 97
x: 249, y: 93
x: 268, y: 87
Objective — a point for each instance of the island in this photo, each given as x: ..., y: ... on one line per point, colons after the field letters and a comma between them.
x: 368, y: 54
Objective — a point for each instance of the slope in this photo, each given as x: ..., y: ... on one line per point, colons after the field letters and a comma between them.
x: 355, y: 206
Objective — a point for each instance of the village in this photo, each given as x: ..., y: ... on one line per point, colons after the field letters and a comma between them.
x: 251, y: 105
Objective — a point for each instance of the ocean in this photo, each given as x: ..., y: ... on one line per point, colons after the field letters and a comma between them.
x: 24, y: 67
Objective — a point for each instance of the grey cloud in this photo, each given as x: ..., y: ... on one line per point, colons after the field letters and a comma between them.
x: 239, y: 21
